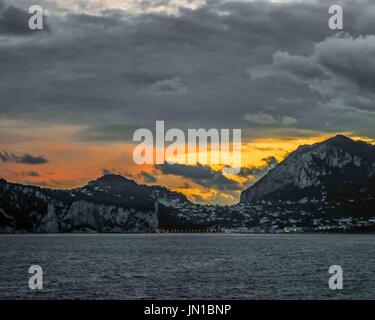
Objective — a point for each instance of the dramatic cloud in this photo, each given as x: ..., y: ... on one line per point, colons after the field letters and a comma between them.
x: 13, y: 20
x: 202, y: 175
x: 25, y: 159
x: 101, y: 70
x: 341, y: 68
x: 107, y: 68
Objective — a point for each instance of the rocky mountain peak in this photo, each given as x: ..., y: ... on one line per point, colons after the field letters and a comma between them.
x: 310, y: 169
x: 111, y: 180
x: 339, y: 139
x: 361, y: 149
x: 114, y: 183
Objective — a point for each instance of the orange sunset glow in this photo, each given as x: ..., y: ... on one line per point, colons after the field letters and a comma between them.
x: 74, y: 92
x: 72, y: 164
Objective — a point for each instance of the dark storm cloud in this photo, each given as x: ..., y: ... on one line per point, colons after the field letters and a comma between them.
x: 189, y: 70
x: 25, y: 159
x: 202, y: 175
x: 14, y: 21
x: 341, y: 68
x: 29, y: 159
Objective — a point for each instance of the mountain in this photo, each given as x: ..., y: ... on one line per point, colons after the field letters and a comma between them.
x: 111, y: 203
x: 324, y: 187
x: 338, y: 170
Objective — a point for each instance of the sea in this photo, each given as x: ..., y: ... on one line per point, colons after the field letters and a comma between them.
x: 187, y: 266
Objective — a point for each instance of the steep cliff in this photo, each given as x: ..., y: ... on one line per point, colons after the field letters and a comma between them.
x: 110, y: 204
x: 323, y: 170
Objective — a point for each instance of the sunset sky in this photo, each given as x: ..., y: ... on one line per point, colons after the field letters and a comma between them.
x: 72, y: 95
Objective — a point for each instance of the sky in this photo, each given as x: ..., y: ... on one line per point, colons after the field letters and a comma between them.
x: 72, y: 95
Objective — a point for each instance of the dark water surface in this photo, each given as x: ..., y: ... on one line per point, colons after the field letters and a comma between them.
x: 183, y: 266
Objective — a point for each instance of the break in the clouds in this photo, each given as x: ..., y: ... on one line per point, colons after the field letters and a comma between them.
x: 25, y: 159
x: 133, y: 7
